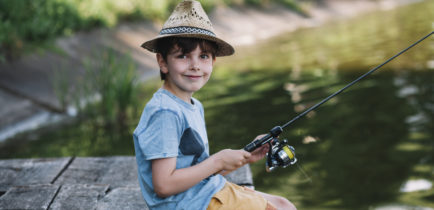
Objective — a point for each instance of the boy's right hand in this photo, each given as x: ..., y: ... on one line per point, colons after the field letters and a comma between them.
x: 229, y: 160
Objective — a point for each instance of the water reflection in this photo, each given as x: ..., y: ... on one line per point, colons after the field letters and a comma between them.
x: 358, y: 163
x: 359, y: 157
x: 365, y: 144
x: 75, y: 138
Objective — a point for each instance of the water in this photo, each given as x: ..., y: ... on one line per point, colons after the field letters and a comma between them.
x: 361, y: 148
x: 369, y: 148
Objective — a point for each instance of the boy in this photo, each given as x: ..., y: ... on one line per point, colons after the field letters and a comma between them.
x: 171, y: 144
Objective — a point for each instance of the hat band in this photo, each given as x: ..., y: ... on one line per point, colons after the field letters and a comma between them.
x: 186, y: 30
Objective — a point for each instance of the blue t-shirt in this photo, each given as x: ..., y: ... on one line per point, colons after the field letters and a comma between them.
x: 170, y: 127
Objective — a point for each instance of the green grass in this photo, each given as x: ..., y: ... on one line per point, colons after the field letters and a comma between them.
x: 28, y: 24
x: 341, y: 44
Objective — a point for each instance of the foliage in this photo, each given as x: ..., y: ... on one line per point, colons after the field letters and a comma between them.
x: 106, y: 94
x: 110, y: 80
x: 34, y: 21
x: 29, y: 22
x: 106, y: 117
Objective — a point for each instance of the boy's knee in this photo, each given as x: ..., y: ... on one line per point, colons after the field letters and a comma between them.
x: 284, y: 203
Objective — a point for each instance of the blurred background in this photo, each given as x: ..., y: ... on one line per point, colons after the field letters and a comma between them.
x: 73, y: 82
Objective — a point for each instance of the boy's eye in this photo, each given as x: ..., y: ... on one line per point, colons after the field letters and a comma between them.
x: 182, y: 56
x: 204, y: 56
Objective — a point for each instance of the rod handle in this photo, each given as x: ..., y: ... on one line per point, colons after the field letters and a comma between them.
x: 256, y: 143
x: 274, y: 132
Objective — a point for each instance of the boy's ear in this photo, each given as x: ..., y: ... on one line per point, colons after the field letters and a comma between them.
x: 162, y: 63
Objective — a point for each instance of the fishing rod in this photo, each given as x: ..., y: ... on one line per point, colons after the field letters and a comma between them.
x: 280, y: 152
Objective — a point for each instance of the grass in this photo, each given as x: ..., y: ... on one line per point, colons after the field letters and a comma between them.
x: 340, y: 44
x: 26, y: 25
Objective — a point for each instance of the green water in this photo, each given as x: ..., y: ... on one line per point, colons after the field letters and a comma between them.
x: 355, y: 152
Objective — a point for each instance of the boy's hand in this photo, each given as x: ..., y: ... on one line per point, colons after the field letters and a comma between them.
x: 230, y: 160
x: 259, y: 153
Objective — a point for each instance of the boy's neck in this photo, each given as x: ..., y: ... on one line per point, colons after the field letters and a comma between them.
x: 180, y: 94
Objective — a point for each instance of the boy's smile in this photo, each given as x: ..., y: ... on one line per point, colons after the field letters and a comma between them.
x: 186, y: 73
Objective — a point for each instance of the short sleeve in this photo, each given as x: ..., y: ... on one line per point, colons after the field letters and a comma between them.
x: 160, y: 137
x: 200, y: 106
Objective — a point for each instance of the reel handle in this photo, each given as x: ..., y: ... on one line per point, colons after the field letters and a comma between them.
x: 274, y: 132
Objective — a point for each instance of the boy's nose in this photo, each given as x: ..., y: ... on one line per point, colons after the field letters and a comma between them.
x: 194, y: 64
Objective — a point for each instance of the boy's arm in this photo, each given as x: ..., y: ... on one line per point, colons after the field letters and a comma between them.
x: 168, y: 180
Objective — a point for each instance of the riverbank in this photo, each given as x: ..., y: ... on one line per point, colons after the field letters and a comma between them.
x: 27, y: 93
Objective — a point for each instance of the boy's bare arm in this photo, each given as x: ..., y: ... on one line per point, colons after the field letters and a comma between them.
x: 168, y: 180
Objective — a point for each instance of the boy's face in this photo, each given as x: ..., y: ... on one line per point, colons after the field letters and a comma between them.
x: 186, y: 73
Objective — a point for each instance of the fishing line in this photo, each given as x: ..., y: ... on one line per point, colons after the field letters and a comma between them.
x: 300, y: 168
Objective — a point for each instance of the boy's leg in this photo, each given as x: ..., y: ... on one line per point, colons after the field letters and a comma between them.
x: 233, y: 196
x: 277, y: 201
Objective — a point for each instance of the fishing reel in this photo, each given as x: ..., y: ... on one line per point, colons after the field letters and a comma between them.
x: 280, y: 154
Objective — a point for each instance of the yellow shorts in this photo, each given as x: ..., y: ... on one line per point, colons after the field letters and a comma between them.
x: 233, y: 196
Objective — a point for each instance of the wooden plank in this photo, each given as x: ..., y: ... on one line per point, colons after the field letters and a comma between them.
x: 122, y: 172
x: 22, y: 172
x: 114, y: 171
x: 84, y: 171
x: 78, y: 196
x: 28, y: 197
x: 123, y: 198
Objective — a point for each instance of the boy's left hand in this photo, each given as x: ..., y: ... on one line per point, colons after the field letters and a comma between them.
x: 259, y: 153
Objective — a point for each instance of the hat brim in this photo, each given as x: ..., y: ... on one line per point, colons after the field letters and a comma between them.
x: 224, y: 48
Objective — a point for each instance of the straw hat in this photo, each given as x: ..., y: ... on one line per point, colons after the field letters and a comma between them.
x: 190, y: 20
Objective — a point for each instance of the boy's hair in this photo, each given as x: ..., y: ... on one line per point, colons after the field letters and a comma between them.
x: 165, y: 45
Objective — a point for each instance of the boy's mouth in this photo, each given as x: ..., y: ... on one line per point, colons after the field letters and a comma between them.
x: 193, y: 76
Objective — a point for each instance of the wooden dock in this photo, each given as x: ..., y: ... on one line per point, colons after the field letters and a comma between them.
x: 78, y: 183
